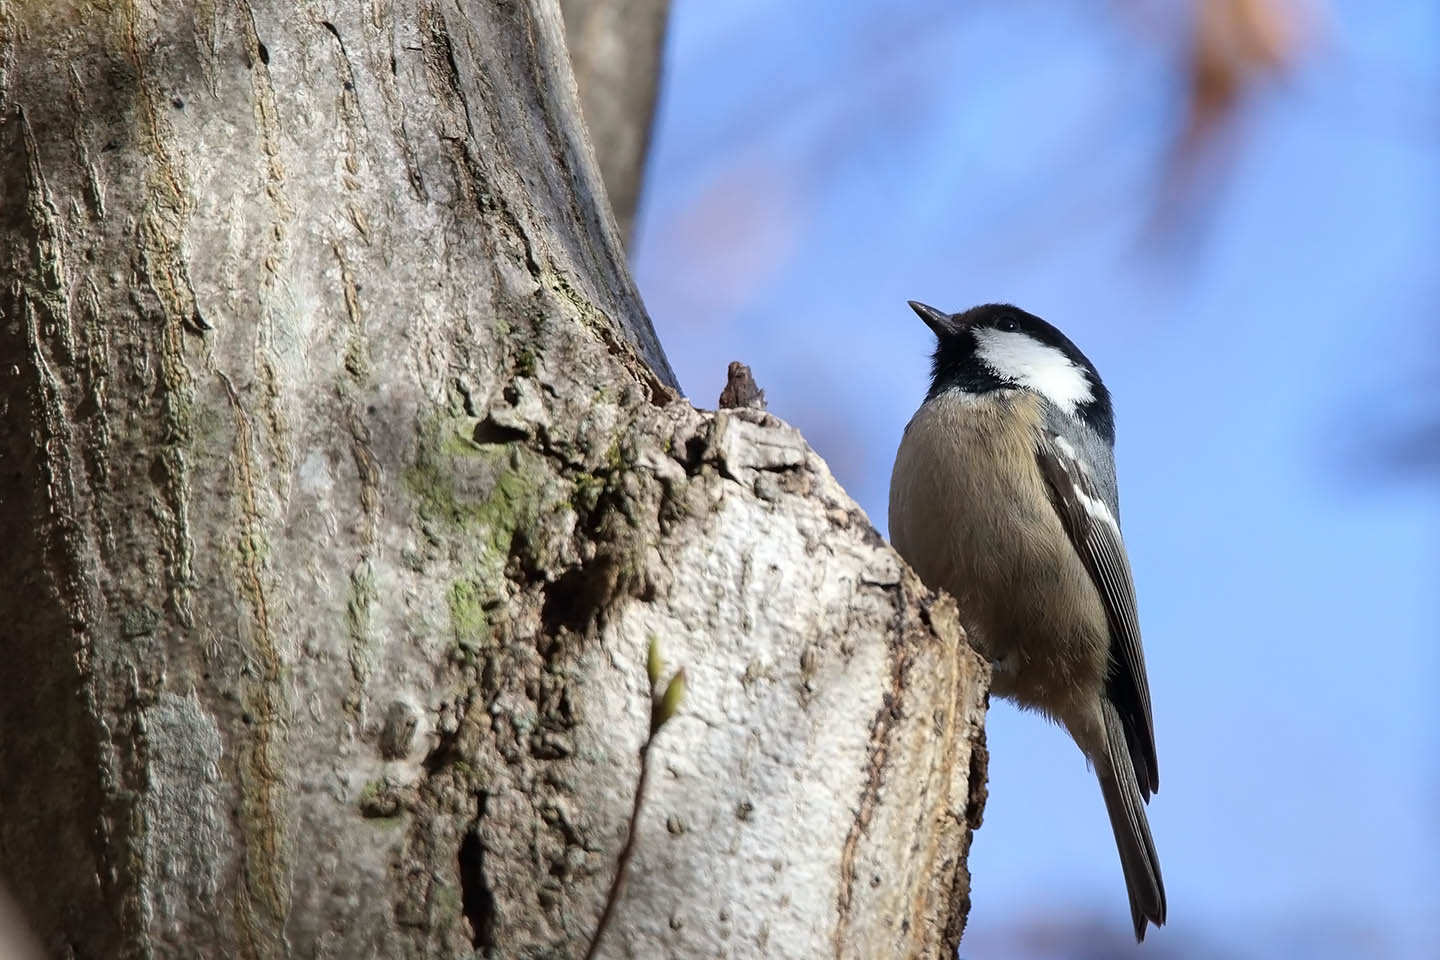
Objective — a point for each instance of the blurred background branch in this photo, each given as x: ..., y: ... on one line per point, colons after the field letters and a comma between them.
x: 615, y: 49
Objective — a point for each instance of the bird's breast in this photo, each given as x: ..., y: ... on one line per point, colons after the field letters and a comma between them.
x: 970, y: 511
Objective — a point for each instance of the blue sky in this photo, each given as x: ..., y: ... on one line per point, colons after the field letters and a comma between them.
x: 816, y: 164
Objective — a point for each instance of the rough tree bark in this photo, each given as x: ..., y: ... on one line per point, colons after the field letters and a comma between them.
x: 616, y: 49
x: 344, y: 487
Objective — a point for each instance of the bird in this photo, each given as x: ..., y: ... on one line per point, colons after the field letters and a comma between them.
x: 1003, y: 495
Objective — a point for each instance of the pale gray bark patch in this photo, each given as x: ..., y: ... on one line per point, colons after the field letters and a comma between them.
x: 322, y: 394
x: 184, y: 811
x: 823, y: 768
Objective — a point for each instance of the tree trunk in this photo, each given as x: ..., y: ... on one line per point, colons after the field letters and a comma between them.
x: 344, y: 489
x: 616, y: 48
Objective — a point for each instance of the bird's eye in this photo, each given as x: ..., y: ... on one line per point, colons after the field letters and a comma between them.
x: 1007, y: 322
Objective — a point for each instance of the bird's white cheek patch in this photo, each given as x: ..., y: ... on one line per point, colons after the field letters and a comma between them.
x: 1037, y: 366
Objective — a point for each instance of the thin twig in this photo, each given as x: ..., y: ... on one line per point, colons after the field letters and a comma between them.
x: 617, y: 886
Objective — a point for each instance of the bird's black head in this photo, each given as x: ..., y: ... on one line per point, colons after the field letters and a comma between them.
x: 1000, y: 347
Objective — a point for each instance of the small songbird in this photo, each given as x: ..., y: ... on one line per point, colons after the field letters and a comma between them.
x: 1004, y: 495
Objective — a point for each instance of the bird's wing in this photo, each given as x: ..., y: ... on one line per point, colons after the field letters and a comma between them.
x: 1094, y: 531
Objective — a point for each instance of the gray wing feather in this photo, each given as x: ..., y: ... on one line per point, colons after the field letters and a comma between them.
x: 1083, y: 505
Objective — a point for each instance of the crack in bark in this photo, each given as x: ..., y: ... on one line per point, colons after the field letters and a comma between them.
x: 95, y: 192
x: 387, y: 77
x: 265, y: 113
x: 440, y: 66
x: 476, y: 897
x: 352, y: 117
x: 362, y: 580
x: 579, y: 594
x: 265, y: 855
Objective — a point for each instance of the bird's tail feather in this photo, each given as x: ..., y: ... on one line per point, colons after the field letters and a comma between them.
x: 1132, y: 831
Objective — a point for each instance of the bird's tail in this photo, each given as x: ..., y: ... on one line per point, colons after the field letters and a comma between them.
x: 1132, y: 831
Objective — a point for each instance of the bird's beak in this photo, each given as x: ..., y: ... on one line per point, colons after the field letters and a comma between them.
x: 936, y: 320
